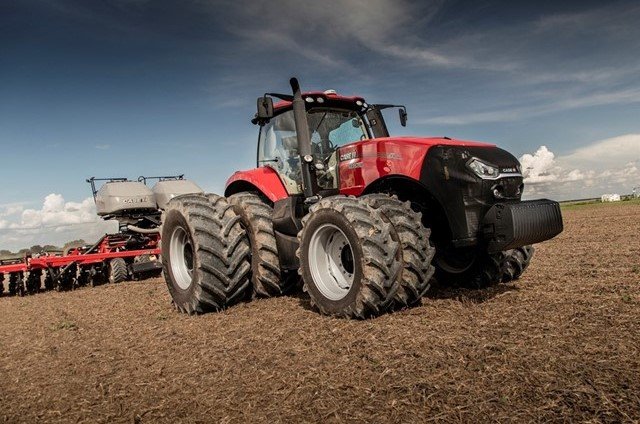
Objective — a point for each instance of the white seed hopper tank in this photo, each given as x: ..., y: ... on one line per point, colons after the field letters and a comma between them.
x: 118, y: 197
x: 165, y: 190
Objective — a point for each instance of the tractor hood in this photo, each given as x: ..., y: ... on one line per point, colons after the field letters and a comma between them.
x: 434, y: 141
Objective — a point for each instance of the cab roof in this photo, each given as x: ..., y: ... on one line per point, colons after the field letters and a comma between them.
x: 328, y: 98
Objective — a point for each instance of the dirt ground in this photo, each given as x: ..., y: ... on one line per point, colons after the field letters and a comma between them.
x: 561, y: 344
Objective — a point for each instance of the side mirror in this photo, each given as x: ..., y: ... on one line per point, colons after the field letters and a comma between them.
x: 403, y: 116
x: 265, y: 107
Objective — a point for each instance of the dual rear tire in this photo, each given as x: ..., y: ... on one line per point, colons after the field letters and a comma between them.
x: 205, y: 254
x: 361, y: 257
x: 255, y: 215
x: 350, y: 258
x: 215, y: 250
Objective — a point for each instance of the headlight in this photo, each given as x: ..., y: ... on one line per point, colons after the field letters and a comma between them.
x: 483, y: 170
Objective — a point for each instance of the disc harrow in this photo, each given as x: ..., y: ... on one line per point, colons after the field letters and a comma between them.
x: 80, y: 267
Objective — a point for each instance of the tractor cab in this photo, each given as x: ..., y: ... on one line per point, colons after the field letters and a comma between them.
x: 333, y: 122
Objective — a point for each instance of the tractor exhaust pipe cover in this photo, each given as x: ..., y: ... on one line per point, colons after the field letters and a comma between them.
x: 304, y: 138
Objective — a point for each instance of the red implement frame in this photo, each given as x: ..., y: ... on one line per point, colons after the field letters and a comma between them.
x: 110, y: 246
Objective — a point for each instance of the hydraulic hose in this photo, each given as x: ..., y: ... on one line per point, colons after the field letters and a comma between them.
x: 143, y: 230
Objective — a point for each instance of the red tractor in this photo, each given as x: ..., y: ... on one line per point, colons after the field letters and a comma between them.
x: 364, y: 218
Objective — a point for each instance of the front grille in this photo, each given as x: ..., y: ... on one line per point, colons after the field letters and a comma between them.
x: 511, y: 186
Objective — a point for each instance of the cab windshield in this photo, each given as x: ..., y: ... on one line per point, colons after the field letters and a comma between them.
x: 329, y: 129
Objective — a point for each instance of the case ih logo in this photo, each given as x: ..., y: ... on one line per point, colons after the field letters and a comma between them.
x: 348, y: 156
x: 132, y: 200
x: 354, y: 155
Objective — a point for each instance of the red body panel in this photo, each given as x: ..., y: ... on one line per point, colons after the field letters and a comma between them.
x: 367, y: 161
x: 264, y: 179
x: 361, y: 164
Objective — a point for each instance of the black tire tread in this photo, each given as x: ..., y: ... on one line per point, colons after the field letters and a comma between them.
x: 516, y: 262
x: 222, y: 249
x: 486, y: 271
x: 381, y: 267
x: 117, y: 270
x: 256, y: 214
x: 417, y: 252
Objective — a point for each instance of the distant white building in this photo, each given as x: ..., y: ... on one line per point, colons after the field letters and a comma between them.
x: 610, y: 198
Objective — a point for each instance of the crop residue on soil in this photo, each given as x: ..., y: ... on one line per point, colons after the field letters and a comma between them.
x: 560, y: 344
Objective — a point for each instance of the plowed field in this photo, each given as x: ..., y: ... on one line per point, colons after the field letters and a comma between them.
x: 561, y: 344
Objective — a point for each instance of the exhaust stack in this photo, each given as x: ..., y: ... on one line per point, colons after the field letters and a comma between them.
x: 304, y: 141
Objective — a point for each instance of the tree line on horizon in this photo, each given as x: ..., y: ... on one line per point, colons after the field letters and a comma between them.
x: 38, y: 249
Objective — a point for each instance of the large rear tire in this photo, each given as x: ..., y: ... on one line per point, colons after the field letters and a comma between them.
x: 205, y: 253
x: 117, y: 270
x: 256, y: 217
x: 417, y: 252
x: 350, y: 258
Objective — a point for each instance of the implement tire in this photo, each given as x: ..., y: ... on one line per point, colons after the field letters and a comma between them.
x: 256, y: 217
x: 117, y: 270
x: 205, y: 253
x: 350, y: 258
x: 417, y: 252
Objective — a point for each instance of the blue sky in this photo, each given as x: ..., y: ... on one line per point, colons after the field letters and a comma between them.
x: 131, y: 87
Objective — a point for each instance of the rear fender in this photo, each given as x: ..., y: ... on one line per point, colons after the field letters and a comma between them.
x: 264, y: 179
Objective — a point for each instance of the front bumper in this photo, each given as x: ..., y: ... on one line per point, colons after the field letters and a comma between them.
x: 511, y: 225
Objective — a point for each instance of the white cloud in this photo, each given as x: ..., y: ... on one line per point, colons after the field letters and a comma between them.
x: 610, y: 165
x: 56, y: 222
x: 102, y: 146
x: 609, y: 152
x: 537, y: 168
x: 11, y: 209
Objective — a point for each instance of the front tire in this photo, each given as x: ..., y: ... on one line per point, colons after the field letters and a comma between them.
x: 205, y: 253
x: 516, y: 261
x: 350, y: 258
x: 469, y: 267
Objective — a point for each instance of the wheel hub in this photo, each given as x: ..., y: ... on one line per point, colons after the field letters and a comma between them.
x: 181, y: 258
x: 331, y: 261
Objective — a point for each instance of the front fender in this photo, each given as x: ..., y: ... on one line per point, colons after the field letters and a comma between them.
x: 263, y: 179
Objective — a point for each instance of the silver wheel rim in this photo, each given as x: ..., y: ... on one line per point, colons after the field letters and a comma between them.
x: 331, y: 262
x: 181, y: 258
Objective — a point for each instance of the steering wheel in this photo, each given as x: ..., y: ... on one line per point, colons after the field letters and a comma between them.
x: 326, y: 176
x: 329, y: 152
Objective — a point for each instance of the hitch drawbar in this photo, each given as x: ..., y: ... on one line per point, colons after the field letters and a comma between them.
x: 511, y: 225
